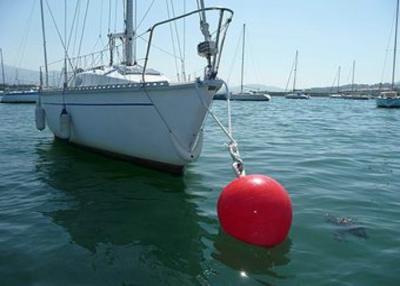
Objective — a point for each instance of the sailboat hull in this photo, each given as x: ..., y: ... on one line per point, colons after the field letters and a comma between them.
x: 20, y: 97
x: 250, y: 97
x: 388, y: 102
x: 159, y: 126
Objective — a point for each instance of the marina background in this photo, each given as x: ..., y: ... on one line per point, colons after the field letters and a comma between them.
x: 326, y: 33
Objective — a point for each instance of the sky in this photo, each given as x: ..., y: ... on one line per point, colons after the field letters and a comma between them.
x: 327, y: 33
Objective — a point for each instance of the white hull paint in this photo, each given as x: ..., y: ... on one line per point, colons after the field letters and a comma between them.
x: 162, y: 127
x: 337, y: 95
x: 19, y: 97
x: 297, y: 96
x: 250, y: 97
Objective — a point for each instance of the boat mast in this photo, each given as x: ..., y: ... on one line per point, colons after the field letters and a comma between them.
x: 44, y: 45
x: 295, y: 70
x: 65, y: 48
x: 129, y: 33
x: 352, y: 79
x: 2, y: 69
x: 134, y: 37
x: 395, y: 44
x: 338, y: 81
x: 243, y: 46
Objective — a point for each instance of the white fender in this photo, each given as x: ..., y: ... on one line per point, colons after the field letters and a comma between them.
x: 65, y: 124
x: 40, y: 117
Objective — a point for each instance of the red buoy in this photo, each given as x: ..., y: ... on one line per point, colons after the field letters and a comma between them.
x: 255, y: 209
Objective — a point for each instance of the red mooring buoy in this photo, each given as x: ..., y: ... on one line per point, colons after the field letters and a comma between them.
x: 255, y: 209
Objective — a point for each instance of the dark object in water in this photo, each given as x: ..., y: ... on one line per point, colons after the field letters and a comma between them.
x: 345, y: 226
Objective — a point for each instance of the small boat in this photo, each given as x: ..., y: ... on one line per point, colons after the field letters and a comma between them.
x: 133, y: 112
x: 337, y: 94
x: 391, y: 99
x: 388, y: 99
x: 296, y: 94
x: 354, y: 94
x: 23, y: 96
x: 248, y: 95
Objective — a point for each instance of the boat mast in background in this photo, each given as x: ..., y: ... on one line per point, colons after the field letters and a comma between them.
x: 2, y: 68
x: 295, y: 70
x: 338, y: 81
x: 46, y: 72
x: 395, y: 45
x: 352, y: 78
x: 243, y: 46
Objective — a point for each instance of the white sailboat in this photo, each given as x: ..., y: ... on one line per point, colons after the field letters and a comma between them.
x: 353, y: 94
x: 337, y: 94
x: 249, y: 95
x: 391, y: 99
x: 296, y: 94
x: 133, y: 112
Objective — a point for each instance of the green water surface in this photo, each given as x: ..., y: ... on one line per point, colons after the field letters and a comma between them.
x: 70, y: 217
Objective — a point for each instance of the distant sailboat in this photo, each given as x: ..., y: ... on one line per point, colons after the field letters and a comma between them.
x: 296, y: 94
x: 353, y: 94
x: 391, y: 99
x: 248, y: 95
x: 337, y: 94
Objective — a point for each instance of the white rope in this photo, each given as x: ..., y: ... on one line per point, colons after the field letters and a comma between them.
x: 233, y: 148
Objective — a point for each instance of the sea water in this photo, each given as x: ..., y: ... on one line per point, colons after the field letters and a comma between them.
x: 71, y: 217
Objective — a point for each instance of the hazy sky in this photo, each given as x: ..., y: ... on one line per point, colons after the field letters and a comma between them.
x: 327, y: 33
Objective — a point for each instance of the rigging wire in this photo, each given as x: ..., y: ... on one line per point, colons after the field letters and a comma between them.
x: 76, y: 28
x: 290, y: 76
x: 83, y: 27
x: 23, y: 44
x: 387, y: 48
x: 233, y: 63
x: 99, y: 37
x: 145, y: 14
x: 177, y: 39
x: 158, y: 48
x: 58, y: 33
x: 73, y: 23
x: 173, y: 42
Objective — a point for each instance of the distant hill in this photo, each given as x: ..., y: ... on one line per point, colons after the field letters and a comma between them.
x: 21, y: 76
x: 15, y: 75
x: 357, y: 87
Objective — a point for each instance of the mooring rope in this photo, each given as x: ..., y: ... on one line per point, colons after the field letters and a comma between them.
x: 233, y: 148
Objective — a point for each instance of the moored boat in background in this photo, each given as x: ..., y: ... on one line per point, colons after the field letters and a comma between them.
x: 247, y: 95
x: 296, y: 94
x: 23, y: 96
x: 391, y: 99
